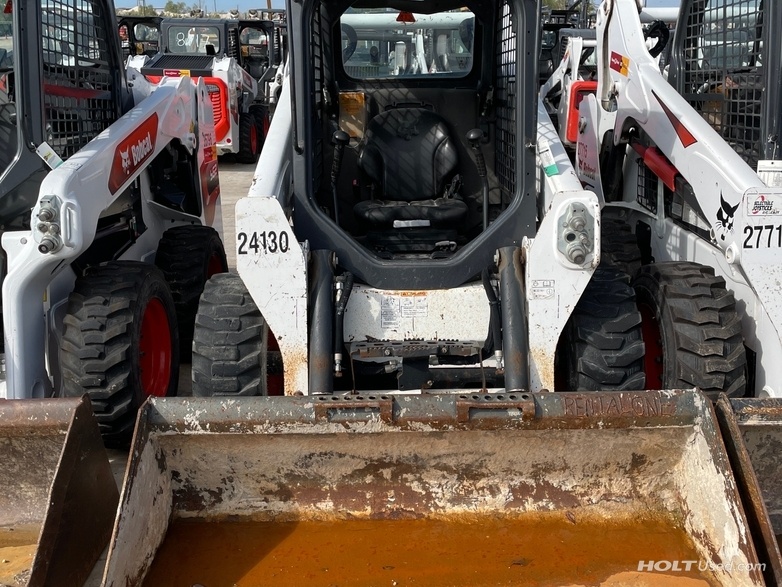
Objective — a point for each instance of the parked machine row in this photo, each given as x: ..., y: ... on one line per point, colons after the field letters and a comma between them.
x: 480, y: 318
x: 241, y: 62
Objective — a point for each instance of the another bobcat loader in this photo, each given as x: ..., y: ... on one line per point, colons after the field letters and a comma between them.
x: 109, y: 199
x: 235, y: 66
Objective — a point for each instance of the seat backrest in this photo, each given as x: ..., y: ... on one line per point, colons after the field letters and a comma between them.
x: 409, y: 154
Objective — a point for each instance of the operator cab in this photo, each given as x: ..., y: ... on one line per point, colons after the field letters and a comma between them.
x: 416, y: 121
x: 139, y: 35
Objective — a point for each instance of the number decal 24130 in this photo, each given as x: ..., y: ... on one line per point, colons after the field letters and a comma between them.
x: 267, y: 242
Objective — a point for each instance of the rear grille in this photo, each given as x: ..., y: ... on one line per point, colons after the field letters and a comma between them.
x: 217, y: 106
x: 218, y: 95
x: 173, y: 61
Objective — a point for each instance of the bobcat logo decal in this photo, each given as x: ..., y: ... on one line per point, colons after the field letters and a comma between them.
x: 407, y: 130
x: 725, y: 215
x: 125, y: 156
x: 132, y: 153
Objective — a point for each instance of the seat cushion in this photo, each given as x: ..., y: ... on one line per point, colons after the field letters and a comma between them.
x: 442, y: 212
x: 408, y: 154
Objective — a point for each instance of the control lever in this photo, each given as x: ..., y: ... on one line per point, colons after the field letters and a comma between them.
x: 339, y: 139
x: 474, y: 137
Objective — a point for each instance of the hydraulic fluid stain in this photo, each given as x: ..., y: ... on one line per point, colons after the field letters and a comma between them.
x: 555, y: 549
x: 17, y: 549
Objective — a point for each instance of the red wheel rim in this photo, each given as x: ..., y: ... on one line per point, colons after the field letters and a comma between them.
x: 653, y: 359
x: 155, y: 350
x: 214, y: 266
x: 253, y: 139
x: 266, y: 125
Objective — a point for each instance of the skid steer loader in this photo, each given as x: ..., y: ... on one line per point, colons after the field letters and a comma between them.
x: 211, y: 50
x: 109, y: 196
x: 420, y: 264
x: 687, y: 200
x: 691, y: 169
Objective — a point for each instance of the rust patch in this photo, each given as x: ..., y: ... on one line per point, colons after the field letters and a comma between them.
x: 294, y: 362
x: 545, y: 363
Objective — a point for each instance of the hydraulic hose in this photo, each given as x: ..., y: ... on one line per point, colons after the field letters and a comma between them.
x: 494, y: 338
x: 321, y: 323
x: 514, y: 320
x: 344, y: 287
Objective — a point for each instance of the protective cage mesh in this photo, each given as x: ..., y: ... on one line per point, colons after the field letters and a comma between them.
x: 77, y: 79
x: 505, y: 100
x: 647, y: 187
x: 319, y: 57
x: 724, y: 71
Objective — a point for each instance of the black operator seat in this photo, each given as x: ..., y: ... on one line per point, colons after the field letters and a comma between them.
x: 412, y: 161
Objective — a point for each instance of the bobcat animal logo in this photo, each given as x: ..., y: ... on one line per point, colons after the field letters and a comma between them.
x: 125, y: 156
x: 407, y: 130
x: 725, y: 217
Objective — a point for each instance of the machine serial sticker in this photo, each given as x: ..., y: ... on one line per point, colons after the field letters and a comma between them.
x: 394, y: 309
x: 542, y: 289
x: 620, y: 63
x: 414, y: 307
x: 390, y: 316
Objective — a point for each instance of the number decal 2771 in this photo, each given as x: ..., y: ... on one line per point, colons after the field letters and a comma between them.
x: 266, y: 242
x: 763, y: 237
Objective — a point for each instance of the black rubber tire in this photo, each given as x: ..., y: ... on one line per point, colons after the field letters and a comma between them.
x: 100, y: 353
x: 619, y: 246
x: 698, y: 328
x: 188, y: 256
x: 229, y: 342
x: 263, y: 118
x: 249, y: 149
x: 601, y: 347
